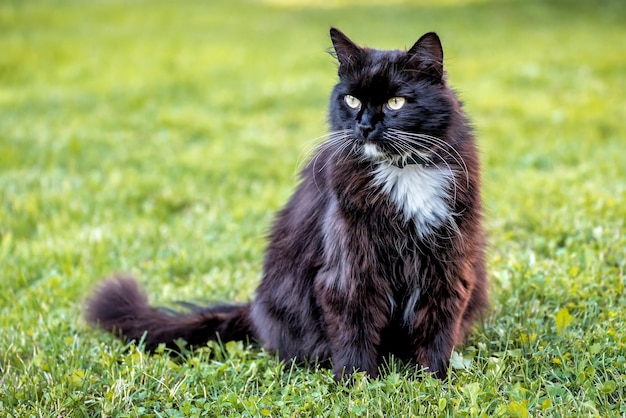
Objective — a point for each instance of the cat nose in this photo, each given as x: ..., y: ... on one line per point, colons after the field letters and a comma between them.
x: 365, y: 124
x: 365, y: 129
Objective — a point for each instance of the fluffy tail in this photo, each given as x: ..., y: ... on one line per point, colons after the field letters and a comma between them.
x: 119, y: 306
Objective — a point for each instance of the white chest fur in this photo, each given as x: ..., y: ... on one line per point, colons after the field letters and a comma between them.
x: 421, y: 193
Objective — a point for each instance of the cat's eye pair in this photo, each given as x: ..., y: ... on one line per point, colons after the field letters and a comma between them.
x: 395, y: 103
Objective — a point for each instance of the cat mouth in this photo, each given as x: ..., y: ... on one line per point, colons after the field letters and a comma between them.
x: 375, y: 152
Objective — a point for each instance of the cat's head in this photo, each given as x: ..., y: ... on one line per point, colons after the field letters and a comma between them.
x: 391, y: 105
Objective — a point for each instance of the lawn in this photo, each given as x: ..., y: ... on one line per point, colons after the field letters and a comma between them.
x: 159, y: 138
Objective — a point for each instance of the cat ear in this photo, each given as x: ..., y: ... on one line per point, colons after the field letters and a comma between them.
x: 347, y: 52
x: 426, y: 56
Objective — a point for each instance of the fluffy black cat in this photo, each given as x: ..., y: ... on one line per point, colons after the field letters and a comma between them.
x: 380, y: 250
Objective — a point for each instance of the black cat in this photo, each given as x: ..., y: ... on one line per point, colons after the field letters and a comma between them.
x: 379, y: 251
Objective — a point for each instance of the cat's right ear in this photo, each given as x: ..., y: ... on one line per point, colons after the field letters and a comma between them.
x: 347, y: 52
x: 426, y: 56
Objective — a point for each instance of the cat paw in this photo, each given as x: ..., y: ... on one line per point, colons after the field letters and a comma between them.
x: 349, y: 376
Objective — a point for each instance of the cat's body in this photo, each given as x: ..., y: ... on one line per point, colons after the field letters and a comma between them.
x: 379, y: 251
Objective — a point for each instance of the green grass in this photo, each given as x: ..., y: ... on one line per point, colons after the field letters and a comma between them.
x: 160, y: 137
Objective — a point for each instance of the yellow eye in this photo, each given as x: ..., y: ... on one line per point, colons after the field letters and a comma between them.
x: 395, y: 103
x: 352, y: 101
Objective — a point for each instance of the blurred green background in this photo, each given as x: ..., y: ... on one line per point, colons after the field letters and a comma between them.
x: 160, y: 138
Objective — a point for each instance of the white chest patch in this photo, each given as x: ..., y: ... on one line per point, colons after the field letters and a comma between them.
x: 421, y: 193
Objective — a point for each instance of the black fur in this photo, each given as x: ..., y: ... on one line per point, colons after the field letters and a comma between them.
x: 350, y: 276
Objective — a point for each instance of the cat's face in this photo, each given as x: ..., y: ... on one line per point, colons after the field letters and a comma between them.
x: 390, y: 105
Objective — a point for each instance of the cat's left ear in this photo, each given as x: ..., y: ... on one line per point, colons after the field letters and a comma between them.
x: 348, y: 53
x: 426, y: 56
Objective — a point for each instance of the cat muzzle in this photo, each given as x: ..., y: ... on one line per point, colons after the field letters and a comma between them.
x: 412, y: 159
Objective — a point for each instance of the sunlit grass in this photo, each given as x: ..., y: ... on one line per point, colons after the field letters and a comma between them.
x: 160, y: 138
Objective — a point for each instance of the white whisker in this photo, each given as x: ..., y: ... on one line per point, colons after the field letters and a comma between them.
x: 334, y: 139
x: 429, y: 140
x: 314, y: 146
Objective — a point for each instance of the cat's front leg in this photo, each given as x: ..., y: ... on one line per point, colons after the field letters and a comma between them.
x: 355, y: 313
x: 434, y: 352
x: 437, y: 325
